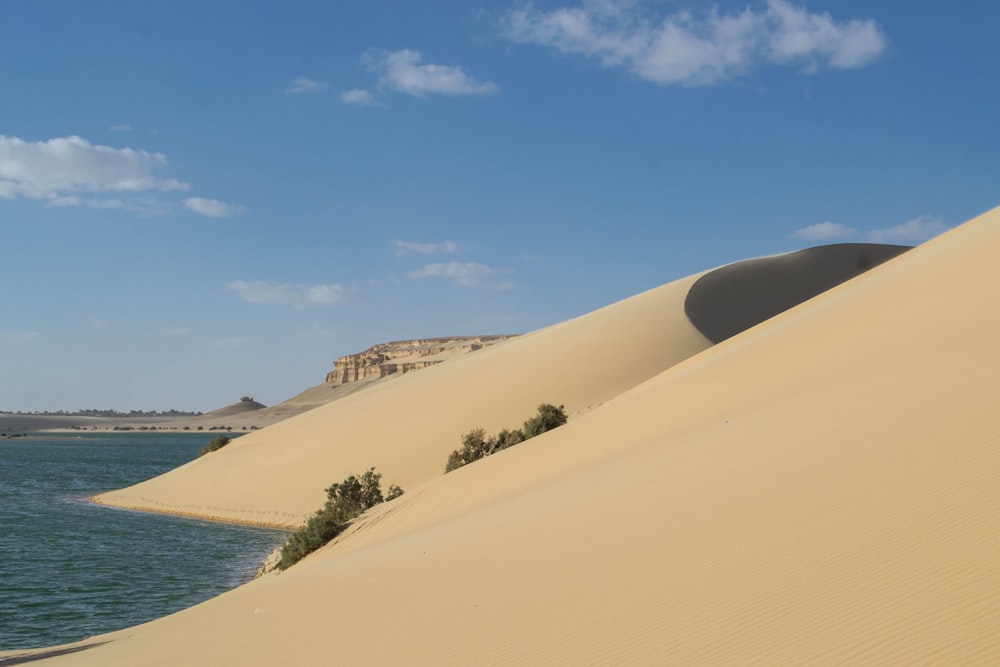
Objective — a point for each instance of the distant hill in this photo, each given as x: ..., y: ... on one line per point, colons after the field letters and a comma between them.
x: 352, y: 373
x: 242, y: 407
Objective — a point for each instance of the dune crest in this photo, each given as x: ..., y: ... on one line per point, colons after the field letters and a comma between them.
x: 407, y: 427
x: 735, y: 297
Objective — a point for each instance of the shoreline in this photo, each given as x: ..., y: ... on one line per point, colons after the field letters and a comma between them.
x: 95, y: 499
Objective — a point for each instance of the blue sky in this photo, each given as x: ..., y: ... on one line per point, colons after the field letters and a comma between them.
x: 204, y: 200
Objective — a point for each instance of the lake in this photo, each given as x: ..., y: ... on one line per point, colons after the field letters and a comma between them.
x: 70, y: 569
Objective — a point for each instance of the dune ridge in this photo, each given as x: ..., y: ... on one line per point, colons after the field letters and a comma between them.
x: 407, y: 427
x: 275, y: 477
x: 735, y: 297
x: 818, y: 489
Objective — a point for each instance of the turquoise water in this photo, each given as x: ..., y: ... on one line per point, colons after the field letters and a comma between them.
x: 70, y: 569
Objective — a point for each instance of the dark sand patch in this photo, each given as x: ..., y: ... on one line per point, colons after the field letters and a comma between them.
x: 23, y: 658
x: 733, y: 298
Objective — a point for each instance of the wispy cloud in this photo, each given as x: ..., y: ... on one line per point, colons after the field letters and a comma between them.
x: 464, y: 274
x: 144, y: 206
x: 297, y: 296
x: 304, y: 85
x: 915, y: 231
x: 798, y: 35
x: 19, y: 336
x: 825, y: 231
x: 60, y: 169
x: 697, y: 50
x: 358, y: 97
x: 213, y: 208
x: 415, y: 248
x: 404, y: 72
x: 121, y: 127
x: 91, y: 202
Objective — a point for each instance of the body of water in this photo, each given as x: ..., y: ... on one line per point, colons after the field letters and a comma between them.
x: 70, y: 569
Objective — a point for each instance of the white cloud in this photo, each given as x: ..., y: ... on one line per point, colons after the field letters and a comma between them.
x: 413, y: 247
x: 800, y: 35
x: 825, y: 231
x: 304, y: 85
x: 912, y: 232
x: 143, y: 206
x: 464, y: 274
x: 297, y: 296
x: 93, y: 202
x: 688, y: 50
x: 121, y: 127
x: 59, y: 168
x: 213, y: 208
x: 919, y: 229
x: 359, y: 97
x: 403, y: 72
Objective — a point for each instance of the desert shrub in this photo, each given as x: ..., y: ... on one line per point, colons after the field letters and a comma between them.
x: 214, y: 444
x: 548, y: 418
x: 345, y: 501
x: 455, y: 461
x: 507, y: 438
x: 320, y: 529
x: 354, y: 495
x: 475, y: 444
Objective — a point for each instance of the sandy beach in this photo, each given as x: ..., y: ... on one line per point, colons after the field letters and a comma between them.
x: 819, y: 488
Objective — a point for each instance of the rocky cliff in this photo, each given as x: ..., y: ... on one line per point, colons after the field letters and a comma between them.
x: 404, y: 356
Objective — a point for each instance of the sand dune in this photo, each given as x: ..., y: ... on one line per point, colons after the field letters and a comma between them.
x: 407, y: 427
x: 735, y: 297
x: 818, y: 489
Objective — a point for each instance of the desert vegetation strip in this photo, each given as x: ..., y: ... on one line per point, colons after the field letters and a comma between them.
x: 214, y: 445
x: 476, y: 444
x: 347, y: 500
x: 344, y: 502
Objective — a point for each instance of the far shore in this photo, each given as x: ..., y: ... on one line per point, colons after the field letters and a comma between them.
x: 11, y: 423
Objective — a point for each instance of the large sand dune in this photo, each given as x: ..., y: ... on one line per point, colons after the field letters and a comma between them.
x: 407, y: 427
x: 821, y: 488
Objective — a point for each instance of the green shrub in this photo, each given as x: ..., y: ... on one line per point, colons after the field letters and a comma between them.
x: 354, y: 495
x: 548, y: 418
x: 507, y: 438
x: 475, y: 444
x: 213, y: 445
x: 344, y: 503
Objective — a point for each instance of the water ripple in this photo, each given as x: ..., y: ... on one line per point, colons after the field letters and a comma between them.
x: 70, y: 569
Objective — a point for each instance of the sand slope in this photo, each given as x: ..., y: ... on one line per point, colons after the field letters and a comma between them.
x: 819, y: 489
x: 407, y: 427
x: 735, y: 297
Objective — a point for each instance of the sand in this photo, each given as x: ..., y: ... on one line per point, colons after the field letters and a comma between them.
x: 735, y: 297
x: 407, y: 427
x: 818, y: 489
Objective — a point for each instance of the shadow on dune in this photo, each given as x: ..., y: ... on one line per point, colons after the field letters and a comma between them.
x: 733, y: 298
x: 23, y: 658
